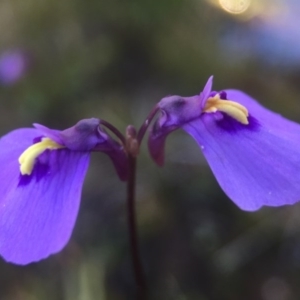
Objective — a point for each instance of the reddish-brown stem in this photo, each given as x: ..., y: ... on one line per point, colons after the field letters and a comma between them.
x: 146, y: 124
x: 133, y: 237
x: 114, y: 130
x: 131, y: 143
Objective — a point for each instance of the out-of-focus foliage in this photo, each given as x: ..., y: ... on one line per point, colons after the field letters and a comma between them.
x: 114, y: 60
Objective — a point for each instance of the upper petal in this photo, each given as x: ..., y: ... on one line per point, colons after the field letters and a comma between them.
x: 87, y: 135
x: 175, y: 112
x: 50, y: 133
x: 206, y: 91
x: 265, y: 116
x: 37, y: 213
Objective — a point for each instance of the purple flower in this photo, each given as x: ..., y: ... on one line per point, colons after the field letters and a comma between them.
x: 253, y: 152
x: 12, y: 66
x: 43, y: 171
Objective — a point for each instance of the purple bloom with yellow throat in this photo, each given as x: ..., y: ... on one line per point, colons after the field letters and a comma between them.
x: 42, y: 173
x: 253, y: 152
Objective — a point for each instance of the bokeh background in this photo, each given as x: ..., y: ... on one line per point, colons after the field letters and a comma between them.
x: 64, y: 60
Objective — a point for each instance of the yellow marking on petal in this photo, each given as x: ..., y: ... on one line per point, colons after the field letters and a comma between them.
x: 231, y: 108
x: 27, y: 158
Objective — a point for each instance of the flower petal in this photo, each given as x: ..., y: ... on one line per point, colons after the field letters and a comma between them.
x: 255, y: 164
x: 206, y: 91
x: 37, y: 214
x: 87, y: 135
x: 50, y: 133
x: 265, y: 116
x: 175, y: 111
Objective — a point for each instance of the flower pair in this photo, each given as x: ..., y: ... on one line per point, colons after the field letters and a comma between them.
x: 253, y: 152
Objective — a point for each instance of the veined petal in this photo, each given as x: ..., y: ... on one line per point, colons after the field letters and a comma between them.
x: 255, y: 164
x: 37, y: 212
x: 14, y: 144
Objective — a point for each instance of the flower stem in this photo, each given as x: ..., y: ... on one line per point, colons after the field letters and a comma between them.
x: 133, y: 238
x: 146, y: 124
x: 114, y: 130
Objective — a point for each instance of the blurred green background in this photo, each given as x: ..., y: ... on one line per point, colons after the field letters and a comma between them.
x: 63, y: 60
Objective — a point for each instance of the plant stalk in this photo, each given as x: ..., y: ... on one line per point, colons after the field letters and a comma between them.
x: 133, y: 237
